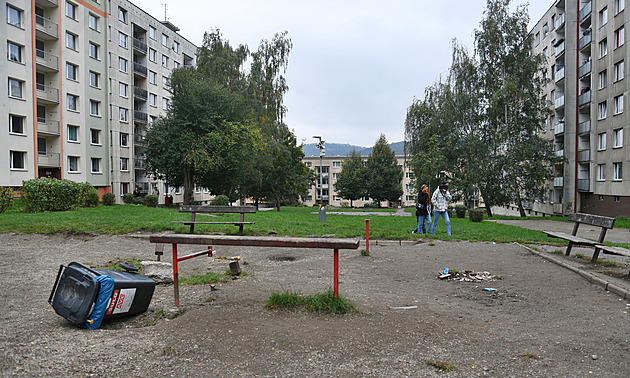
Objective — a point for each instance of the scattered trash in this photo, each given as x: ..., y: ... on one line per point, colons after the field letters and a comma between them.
x: 404, y: 308
x: 490, y: 289
x: 446, y: 270
x: 467, y: 276
x: 444, y: 276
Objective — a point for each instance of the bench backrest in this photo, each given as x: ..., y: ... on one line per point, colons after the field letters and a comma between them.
x: 216, y: 209
x: 593, y: 220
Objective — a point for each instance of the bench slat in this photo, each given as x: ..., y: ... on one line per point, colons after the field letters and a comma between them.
x: 571, y: 238
x: 593, y: 220
x: 614, y: 250
x: 216, y: 209
x: 195, y: 222
x: 256, y: 241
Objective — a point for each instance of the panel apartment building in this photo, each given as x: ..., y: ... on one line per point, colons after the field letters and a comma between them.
x: 83, y: 81
x: 584, y: 42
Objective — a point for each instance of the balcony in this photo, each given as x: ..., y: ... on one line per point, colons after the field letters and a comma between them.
x: 140, y: 93
x: 585, y: 12
x: 560, y: 153
x: 584, y: 127
x: 559, y: 102
x: 140, y: 46
x: 585, y: 69
x: 557, y: 208
x: 46, y: 62
x: 139, y: 163
x: 46, y: 94
x: 140, y: 116
x: 49, y: 159
x: 559, y: 48
x: 47, y: 126
x: 140, y: 69
x: 585, y: 41
x: 558, y: 128
x: 46, y: 29
x: 559, y: 24
x: 559, y: 74
x: 138, y: 139
x: 584, y: 99
x: 558, y: 181
x: 584, y: 185
x: 584, y: 156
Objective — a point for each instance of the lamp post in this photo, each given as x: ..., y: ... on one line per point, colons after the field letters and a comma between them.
x: 322, y: 151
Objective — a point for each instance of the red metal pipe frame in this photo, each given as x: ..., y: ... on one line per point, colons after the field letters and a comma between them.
x: 336, y: 273
x: 367, y: 236
x: 176, y: 267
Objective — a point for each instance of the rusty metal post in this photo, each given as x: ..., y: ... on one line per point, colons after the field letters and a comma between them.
x: 367, y: 236
x: 175, y: 275
x: 336, y: 273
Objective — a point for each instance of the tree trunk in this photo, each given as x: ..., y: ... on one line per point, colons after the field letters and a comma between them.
x: 488, y: 211
x: 521, y: 210
x: 188, y: 186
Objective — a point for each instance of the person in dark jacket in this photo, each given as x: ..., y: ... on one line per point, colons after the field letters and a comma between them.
x: 422, y: 210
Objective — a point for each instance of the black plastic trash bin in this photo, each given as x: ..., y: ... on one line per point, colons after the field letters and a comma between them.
x: 76, y: 292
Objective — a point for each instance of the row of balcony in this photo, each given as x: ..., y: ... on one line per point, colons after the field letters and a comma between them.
x: 48, y: 29
x: 583, y: 127
x: 46, y: 61
x: 583, y: 185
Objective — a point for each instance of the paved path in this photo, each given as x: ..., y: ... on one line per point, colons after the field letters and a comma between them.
x: 615, y: 235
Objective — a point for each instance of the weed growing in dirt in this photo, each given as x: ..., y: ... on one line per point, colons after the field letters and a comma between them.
x: 557, y: 252
x: 322, y: 303
x: 608, y: 263
x: 528, y: 356
x: 582, y: 256
x: 442, y: 365
x: 159, y: 314
x: 113, y: 264
x: 201, y: 279
x: 364, y: 252
x: 168, y: 350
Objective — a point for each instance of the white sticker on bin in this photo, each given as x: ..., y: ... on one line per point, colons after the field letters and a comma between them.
x: 124, y: 300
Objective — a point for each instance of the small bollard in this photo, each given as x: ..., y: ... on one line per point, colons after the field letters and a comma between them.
x: 322, y: 214
x: 235, y: 268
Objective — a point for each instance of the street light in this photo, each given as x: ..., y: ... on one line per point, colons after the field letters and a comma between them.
x: 322, y: 152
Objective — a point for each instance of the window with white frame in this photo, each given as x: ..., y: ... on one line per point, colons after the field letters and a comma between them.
x: 152, y: 55
x: 124, y: 164
x: 165, y: 103
x: 336, y: 164
x: 123, y: 90
x: 122, y: 40
x: 122, y: 15
x: 73, y: 164
x: 16, y: 124
x: 72, y: 102
x: 164, y: 61
x: 95, y: 136
x: 71, y: 41
x: 603, y: 16
x: 96, y: 165
x: 123, y: 114
x: 164, y: 82
x: 617, y: 138
x: 93, y: 21
x: 95, y: 108
x: 73, y: 133
x: 620, y: 37
x: 176, y: 46
x: 176, y: 64
x: 603, y: 48
x: 72, y: 71
x: 71, y: 10
x: 152, y: 99
x: 164, y: 40
x: 15, y: 88
x: 601, y: 172
x: 601, y: 110
x: 124, y: 188
x: 619, y: 67
x: 122, y: 64
x: 308, y: 164
x: 95, y: 79
x: 619, y: 6
x: 601, y: 141
x: 14, y: 16
x: 617, y: 171
x: 152, y: 120
x: 152, y: 32
x: 153, y: 77
x: 618, y: 104
x: 124, y: 140
x: 14, y: 52
x: 603, y: 79
x: 94, y: 50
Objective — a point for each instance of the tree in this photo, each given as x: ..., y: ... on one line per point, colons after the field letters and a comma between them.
x: 350, y: 181
x: 383, y: 175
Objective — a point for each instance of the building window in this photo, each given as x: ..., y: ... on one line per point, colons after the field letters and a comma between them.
x: 95, y: 79
x: 164, y: 40
x: 94, y: 50
x: 176, y: 46
x: 122, y: 15
x: 601, y: 142
x: 619, y: 6
x: 95, y: 108
x: 176, y: 64
x: 123, y: 90
x: 164, y: 82
x: 95, y: 136
x: 15, y: 88
x: 603, y: 79
x: 152, y: 120
x: 73, y: 133
x: 618, y: 174
x: 164, y: 61
x: 122, y: 64
x: 601, y: 110
x: 152, y: 55
x: 96, y: 165
x: 601, y: 172
x: 124, y: 188
x: 618, y: 138
x: 619, y: 37
x: 619, y: 74
x: 14, y: 52
x: 603, y: 16
x: 16, y: 124
x: 71, y: 10
x: 152, y: 99
x: 124, y: 140
x: 122, y: 40
x: 336, y: 164
x: 93, y: 22
x: 545, y: 30
x: 71, y: 41
x: 73, y: 164
x: 165, y: 103
x: 124, y: 164
x: 123, y: 114
x: 618, y: 104
x: 153, y: 77
x: 72, y: 71
x: 152, y: 32
x: 72, y: 102
x: 14, y: 16
x: 603, y: 48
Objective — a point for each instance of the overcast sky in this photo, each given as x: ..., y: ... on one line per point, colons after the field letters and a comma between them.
x: 356, y: 65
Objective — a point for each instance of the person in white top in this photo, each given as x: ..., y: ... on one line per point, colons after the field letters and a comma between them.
x: 440, y: 199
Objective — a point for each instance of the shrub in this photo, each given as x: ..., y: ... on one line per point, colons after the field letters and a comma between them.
x: 128, y: 198
x: 6, y: 198
x: 460, y: 211
x: 109, y: 199
x: 345, y: 204
x: 51, y: 194
x: 151, y: 200
x: 220, y: 200
x: 475, y: 215
x: 89, y: 195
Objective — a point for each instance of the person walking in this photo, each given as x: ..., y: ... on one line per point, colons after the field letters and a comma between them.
x: 422, y: 210
x: 440, y: 199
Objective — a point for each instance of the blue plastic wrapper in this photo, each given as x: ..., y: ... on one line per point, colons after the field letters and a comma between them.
x: 100, y: 306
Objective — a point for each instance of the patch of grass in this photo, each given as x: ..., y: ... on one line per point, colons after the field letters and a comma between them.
x: 607, y: 263
x: 582, y: 256
x: 528, y: 356
x: 113, y: 264
x: 325, y: 303
x: 441, y: 365
x: 159, y: 314
x: 202, y: 279
x: 168, y: 350
x: 364, y: 252
x: 557, y: 252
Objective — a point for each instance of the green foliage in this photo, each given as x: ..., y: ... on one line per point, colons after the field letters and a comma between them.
x: 350, y: 181
x: 475, y: 215
x: 51, y: 194
x: 151, y: 200
x: 220, y: 200
x: 128, y: 198
x: 460, y: 211
x: 382, y: 174
x: 321, y: 303
x: 6, y: 198
x: 442, y: 365
x: 201, y: 279
x: 109, y: 199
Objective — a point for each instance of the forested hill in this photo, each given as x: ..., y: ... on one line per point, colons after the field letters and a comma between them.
x: 339, y: 149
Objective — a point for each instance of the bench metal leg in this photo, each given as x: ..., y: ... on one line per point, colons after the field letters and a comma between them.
x: 595, y: 255
x: 568, y: 252
x: 175, y: 275
x: 192, y: 225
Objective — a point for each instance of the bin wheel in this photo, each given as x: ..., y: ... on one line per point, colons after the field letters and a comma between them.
x: 129, y: 267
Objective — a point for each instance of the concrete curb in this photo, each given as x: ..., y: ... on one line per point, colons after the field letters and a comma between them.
x: 593, y: 278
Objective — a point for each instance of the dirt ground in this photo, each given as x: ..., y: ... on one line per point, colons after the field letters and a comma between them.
x: 542, y: 320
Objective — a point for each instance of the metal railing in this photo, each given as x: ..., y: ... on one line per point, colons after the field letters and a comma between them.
x: 558, y: 181
x: 47, y: 126
x: 584, y: 127
x: 47, y: 59
x: 585, y: 11
x: 140, y: 68
x: 139, y: 163
x: 45, y: 92
x: 140, y: 46
x: 559, y: 102
x: 584, y: 155
x: 49, y: 159
x: 584, y: 185
x: 585, y: 69
x: 140, y: 116
x: 140, y: 93
x: 45, y: 25
x: 559, y: 49
x: 559, y: 74
x: 585, y: 41
x: 558, y: 128
x: 559, y: 21
x: 584, y: 98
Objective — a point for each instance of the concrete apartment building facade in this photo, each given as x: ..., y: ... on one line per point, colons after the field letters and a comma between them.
x: 584, y: 42
x: 83, y: 81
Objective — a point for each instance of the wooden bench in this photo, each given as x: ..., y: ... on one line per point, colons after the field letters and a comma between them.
x: 255, y: 241
x: 207, y: 209
x: 619, y: 251
x: 604, y: 223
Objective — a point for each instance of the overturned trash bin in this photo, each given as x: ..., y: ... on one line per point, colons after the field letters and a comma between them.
x: 86, y: 296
